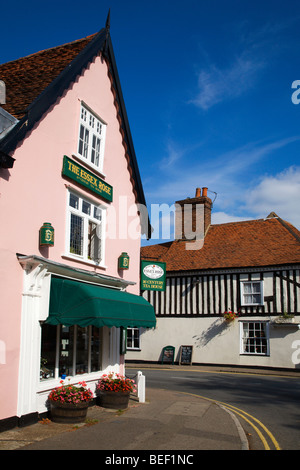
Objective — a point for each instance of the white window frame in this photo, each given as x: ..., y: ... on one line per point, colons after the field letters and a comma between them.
x: 91, y: 134
x: 134, y: 348
x: 243, y: 293
x: 79, y: 212
x: 250, y: 344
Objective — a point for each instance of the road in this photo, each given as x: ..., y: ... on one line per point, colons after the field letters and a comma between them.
x: 270, y: 401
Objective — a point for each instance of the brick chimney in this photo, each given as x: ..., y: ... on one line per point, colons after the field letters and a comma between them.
x: 193, y: 216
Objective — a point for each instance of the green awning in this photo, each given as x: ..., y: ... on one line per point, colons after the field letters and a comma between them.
x: 79, y: 303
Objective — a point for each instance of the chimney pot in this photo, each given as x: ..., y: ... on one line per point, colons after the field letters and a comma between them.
x: 198, y: 192
x: 204, y: 192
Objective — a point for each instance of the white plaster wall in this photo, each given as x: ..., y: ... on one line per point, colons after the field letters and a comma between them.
x: 216, y: 342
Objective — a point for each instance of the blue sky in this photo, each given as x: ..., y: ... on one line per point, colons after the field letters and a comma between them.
x: 208, y: 90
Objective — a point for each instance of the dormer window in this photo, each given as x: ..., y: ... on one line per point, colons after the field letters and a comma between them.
x: 91, y: 138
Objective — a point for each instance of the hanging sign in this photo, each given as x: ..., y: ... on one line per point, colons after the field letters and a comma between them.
x: 153, y: 275
x: 81, y: 175
x: 46, y: 235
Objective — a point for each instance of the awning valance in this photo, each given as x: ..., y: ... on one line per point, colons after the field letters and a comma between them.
x: 79, y: 303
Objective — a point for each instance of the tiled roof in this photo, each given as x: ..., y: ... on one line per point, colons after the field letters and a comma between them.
x: 254, y: 243
x: 27, y: 77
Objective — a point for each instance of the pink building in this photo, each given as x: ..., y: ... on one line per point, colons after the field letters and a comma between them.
x: 68, y: 289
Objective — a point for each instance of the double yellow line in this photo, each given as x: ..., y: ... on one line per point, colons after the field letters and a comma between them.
x: 249, y: 419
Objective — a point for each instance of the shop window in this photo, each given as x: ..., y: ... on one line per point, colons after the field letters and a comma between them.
x: 255, y: 338
x: 133, y: 338
x: 252, y: 293
x: 86, y: 229
x: 91, y: 139
x: 70, y: 350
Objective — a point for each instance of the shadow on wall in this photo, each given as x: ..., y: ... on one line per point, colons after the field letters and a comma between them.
x: 217, y: 328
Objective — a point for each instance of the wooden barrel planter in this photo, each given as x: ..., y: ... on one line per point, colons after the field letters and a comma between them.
x: 113, y: 400
x: 68, y: 412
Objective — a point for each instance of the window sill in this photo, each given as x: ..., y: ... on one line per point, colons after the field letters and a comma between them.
x: 255, y: 354
x: 88, y: 165
x: 83, y: 261
x: 252, y: 305
x: 49, y: 384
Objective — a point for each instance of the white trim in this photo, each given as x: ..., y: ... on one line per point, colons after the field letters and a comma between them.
x: 101, y: 137
x: 243, y: 303
x: 134, y: 348
x: 267, y: 331
x: 86, y: 218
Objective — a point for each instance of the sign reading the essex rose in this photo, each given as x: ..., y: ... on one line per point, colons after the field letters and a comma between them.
x: 153, y: 275
x: 81, y: 175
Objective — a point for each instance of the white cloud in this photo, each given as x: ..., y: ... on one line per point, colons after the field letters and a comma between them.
x: 216, y: 85
x: 279, y: 193
x: 224, y: 218
x: 227, y: 174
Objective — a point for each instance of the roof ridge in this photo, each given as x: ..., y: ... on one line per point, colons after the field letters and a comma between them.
x: 239, y: 222
x: 289, y: 227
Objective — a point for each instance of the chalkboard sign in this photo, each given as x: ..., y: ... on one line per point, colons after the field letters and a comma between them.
x: 168, y: 355
x: 186, y: 355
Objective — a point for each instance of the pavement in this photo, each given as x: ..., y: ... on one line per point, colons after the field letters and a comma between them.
x: 167, y: 421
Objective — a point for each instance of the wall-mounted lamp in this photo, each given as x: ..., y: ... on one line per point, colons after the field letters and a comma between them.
x: 123, y: 261
x: 46, y: 235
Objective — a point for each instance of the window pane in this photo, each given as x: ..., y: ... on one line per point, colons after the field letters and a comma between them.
x: 82, y: 349
x: 66, y: 350
x: 96, y: 349
x: 74, y: 201
x: 247, y: 288
x: 86, y: 144
x: 95, y: 150
x: 99, y: 127
x: 86, y: 207
x: 76, y: 235
x: 248, y: 299
x: 83, y: 113
x: 136, y: 338
x: 48, y: 352
x: 94, y: 242
x: 256, y: 288
x: 256, y: 299
x: 81, y: 140
x: 97, y: 213
x: 129, y: 338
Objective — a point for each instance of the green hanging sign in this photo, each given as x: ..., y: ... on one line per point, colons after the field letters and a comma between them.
x: 123, y: 261
x: 153, y: 275
x: 46, y: 235
x: 81, y: 175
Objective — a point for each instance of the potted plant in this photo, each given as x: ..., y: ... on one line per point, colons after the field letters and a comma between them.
x: 285, y: 318
x: 113, y: 391
x: 230, y: 316
x: 69, y: 403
